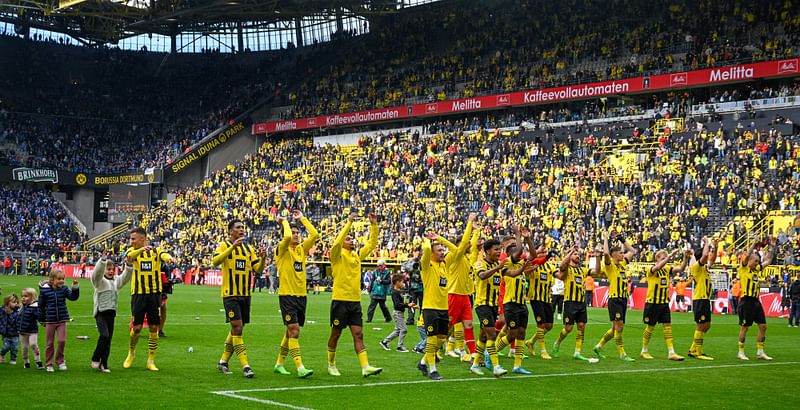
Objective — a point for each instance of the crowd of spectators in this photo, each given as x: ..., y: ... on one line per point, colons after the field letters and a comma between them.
x: 465, y: 48
x: 557, y: 185
x: 33, y: 220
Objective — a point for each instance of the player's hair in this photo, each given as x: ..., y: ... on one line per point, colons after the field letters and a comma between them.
x: 233, y: 222
x: 138, y: 230
x: 491, y: 243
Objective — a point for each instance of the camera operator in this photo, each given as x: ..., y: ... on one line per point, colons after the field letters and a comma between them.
x: 411, y: 268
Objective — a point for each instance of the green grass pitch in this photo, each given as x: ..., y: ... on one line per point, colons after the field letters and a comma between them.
x: 190, y: 380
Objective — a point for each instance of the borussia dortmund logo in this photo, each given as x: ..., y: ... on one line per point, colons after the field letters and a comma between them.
x: 618, y: 315
x: 231, y: 314
x: 430, y: 328
x: 702, y: 317
x: 80, y: 179
x: 287, y: 317
x: 646, y: 320
x: 485, y: 322
x: 538, y: 318
x: 512, y: 324
x: 336, y: 322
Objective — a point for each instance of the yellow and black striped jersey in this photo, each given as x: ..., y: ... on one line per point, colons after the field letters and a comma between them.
x: 515, y: 286
x: 658, y: 285
x: 573, y: 284
x: 750, y: 278
x: 702, y: 282
x: 237, y: 269
x: 146, y: 279
x: 617, y: 279
x: 541, y: 283
x: 487, y: 291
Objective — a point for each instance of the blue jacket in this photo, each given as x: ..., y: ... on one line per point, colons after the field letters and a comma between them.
x: 9, y: 323
x: 28, y: 317
x: 53, y: 303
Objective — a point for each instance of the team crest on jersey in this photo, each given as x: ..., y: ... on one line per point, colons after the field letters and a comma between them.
x: 231, y: 314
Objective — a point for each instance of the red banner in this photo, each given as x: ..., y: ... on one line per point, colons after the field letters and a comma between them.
x: 635, y: 85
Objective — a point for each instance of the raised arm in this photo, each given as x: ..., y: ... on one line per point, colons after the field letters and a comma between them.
x: 511, y: 273
x: 124, y: 277
x: 425, y: 259
x: 261, y: 261
x: 473, y: 243
x: 599, y: 261
x: 564, y: 266
x: 372, y: 242
x: 630, y: 251
x: 606, y: 250
x: 518, y: 248
x: 313, y: 234
x: 223, y: 251
x: 706, y: 245
x: 286, y: 239
x: 465, y: 238
x: 684, y: 262
x: 99, y: 271
x: 336, y: 249
x: 485, y: 274
x: 658, y: 265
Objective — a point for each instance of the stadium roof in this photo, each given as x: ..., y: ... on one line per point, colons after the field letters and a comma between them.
x: 103, y: 21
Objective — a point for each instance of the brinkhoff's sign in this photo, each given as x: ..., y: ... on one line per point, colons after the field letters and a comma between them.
x: 35, y: 175
x: 203, y: 149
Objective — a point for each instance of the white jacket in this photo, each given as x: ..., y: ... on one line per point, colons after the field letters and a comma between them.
x: 106, y: 291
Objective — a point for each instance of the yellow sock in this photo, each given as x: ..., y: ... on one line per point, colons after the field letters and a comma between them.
x: 648, y: 333
x: 431, y: 347
x: 760, y: 346
x: 668, y: 338
x: 451, y: 344
x: 501, y: 343
x: 227, y: 351
x: 518, y: 357
x: 540, y: 336
x: 458, y: 332
x: 134, y: 341
x: 480, y: 347
x: 362, y: 359
x: 618, y: 341
x: 331, y: 357
x: 240, y: 349
x: 294, y: 350
x: 608, y: 335
x: 490, y: 347
x: 284, y: 350
x: 697, y: 343
x: 152, y: 345
x: 561, y: 336
x: 503, y: 333
x: 741, y: 347
x: 579, y: 342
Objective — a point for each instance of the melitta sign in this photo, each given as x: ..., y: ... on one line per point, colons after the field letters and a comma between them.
x: 696, y: 78
x: 35, y: 175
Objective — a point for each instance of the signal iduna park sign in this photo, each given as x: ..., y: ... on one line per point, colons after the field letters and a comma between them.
x: 636, y: 85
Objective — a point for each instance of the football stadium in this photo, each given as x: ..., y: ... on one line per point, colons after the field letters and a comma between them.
x: 399, y: 204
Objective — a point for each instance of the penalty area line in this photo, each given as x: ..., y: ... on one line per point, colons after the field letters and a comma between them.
x: 232, y: 394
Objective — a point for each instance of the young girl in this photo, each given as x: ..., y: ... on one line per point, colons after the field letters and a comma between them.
x: 28, y: 327
x: 53, y: 312
x: 106, y: 285
x: 9, y: 322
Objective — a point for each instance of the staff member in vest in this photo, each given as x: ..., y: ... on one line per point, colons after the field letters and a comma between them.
x: 145, y: 293
x: 750, y: 309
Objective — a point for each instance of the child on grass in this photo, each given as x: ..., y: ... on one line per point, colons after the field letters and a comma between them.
x: 53, y: 313
x: 29, y: 328
x: 9, y: 328
x: 400, y: 305
x: 106, y: 285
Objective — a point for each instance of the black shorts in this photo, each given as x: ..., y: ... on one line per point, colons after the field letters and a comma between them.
x: 149, y: 305
x: 293, y: 309
x: 345, y: 314
x: 487, y: 315
x: 237, y: 308
x: 702, y: 310
x: 679, y: 298
x: 542, y: 312
x: 574, y: 312
x: 655, y: 313
x: 617, y: 307
x: 516, y: 315
x: 751, y: 311
x: 436, y: 321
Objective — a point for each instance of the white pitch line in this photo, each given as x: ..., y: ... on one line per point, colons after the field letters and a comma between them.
x: 263, y: 401
x: 236, y: 393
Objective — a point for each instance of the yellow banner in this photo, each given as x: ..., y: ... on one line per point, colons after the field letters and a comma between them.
x: 62, y: 4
